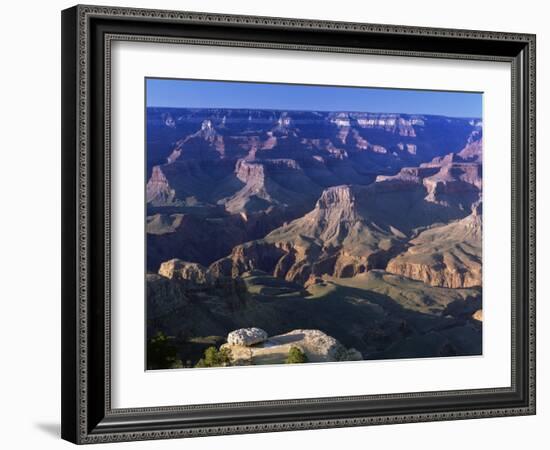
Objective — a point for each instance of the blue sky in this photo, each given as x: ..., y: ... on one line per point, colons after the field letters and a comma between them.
x: 228, y: 94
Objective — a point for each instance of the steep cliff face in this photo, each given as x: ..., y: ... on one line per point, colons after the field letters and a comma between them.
x: 447, y: 256
x: 249, y: 172
x: 271, y: 183
x: 454, y: 183
x: 192, y: 273
x: 158, y: 188
x: 206, y: 143
x: 393, y: 123
x: 255, y: 255
x: 336, y: 207
x: 447, y: 181
x: 473, y: 149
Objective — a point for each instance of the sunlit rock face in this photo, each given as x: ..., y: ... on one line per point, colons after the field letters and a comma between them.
x: 246, y: 336
x: 176, y: 269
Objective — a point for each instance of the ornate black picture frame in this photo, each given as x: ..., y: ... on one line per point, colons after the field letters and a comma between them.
x: 87, y: 34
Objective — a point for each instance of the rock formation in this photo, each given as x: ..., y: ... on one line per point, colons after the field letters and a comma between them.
x: 270, y: 183
x: 478, y: 315
x: 158, y: 188
x: 176, y: 269
x: 472, y: 151
x: 447, y: 255
x: 246, y: 336
x: 317, y: 346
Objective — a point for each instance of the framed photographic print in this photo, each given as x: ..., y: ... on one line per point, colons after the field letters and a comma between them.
x: 281, y: 224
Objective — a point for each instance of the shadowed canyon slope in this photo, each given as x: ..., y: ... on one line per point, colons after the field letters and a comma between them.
x: 364, y: 226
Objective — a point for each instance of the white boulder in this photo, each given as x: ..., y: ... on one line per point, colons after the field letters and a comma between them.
x: 246, y: 336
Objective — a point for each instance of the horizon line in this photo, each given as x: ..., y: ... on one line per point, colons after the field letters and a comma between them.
x: 313, y: 110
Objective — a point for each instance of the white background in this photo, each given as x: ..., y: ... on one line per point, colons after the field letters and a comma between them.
x: 133, y: 387
x: 30, y: 225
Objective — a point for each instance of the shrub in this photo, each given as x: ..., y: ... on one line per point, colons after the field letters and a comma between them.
x: 296, y: 356
x: 215, y: 358
x: 350, y: 354
x: 161, y: 353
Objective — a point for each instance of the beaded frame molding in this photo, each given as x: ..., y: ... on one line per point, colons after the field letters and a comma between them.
x: 87, y: 35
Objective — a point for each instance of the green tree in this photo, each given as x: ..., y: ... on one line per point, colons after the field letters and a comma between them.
x: 295, y: 356
x: 215, y: 358
x: 161, y: 353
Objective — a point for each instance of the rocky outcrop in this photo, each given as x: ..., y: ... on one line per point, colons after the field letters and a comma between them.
x: 409, y: 148
x: 206, y: 143
x: 246, y: 336
x: 393, y: 123
x: 338, y: 200
x: 446, y: 181
x: 168, y: 120
x: 284, y: 124
x: 458, y: 180
x: 313, y: 280
x: 158, y: 188
x: 255, y: 255
x: 176, y: 269
x: 270, y: 183
x: 317, y: 346
x: 446, y: 256
x: 360, y: 142
x: 407, y: 175
x: 250, y: 172
x: 445, y: 273
x: 270, y: 142
x: 473, y: 149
